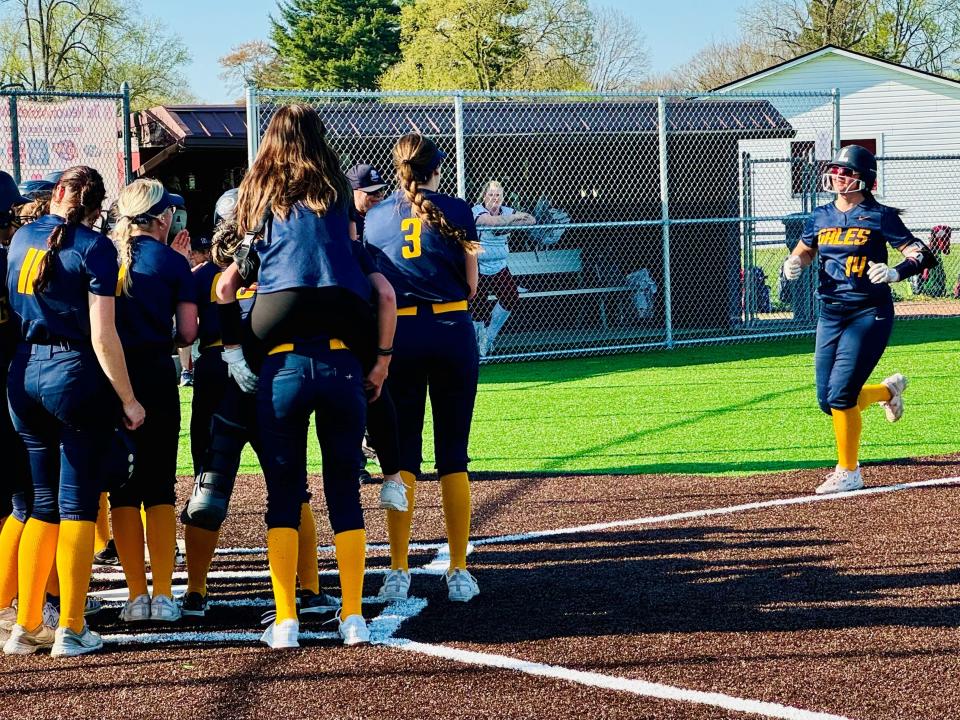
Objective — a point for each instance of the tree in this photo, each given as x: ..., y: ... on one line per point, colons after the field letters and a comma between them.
x: 718, y: 64
x: 91, y: 45
x: 336, y: 44
x: 918, y: 33
x: 620, y: 60
x: 252, y: 63
x: 493, y: 44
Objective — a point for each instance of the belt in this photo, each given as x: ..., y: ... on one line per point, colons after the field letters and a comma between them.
x: 437, y: 308
x: 214, y: 344
x: 335, y: 344
x: 62, y: 344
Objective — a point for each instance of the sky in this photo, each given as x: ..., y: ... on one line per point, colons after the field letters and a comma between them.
x: 674, y: 31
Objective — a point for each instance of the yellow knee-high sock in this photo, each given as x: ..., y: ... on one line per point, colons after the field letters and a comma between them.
x: 455, y: 492
x: 162, y: 543
x: 128, y: 537
x: 74, y: 562
x: 102, y: 536
x: 53, y: 582
x: 351, y: 549
x: 201, y: 545
x: 871, y: 394
x: 37, y: 554
x: 282, y: 555
x: 9, y: 545
x: 846, y: 429
x: 399, y: 524
x: 307, y: 570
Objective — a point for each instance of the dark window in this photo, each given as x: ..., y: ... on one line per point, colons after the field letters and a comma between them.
x: 801, y: 152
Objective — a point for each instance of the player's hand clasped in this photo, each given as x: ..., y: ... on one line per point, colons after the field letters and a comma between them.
x: 238, y: 369
x: 880, y: 273
x: 792, y: 267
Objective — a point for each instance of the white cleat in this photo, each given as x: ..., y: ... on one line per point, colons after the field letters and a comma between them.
x: 136, y: 610
x: 396, y: 586
x: 8, y: 618
x: 281, y: 635
x: 354, y: 630
x: 841, y: 480
x: 893, y: 408
x: 164, y: 609
x: 51, y: 614
x: 92, y: 606
x: 70, y: 644
x: 461, y: 586
x: 24, y: 642
x: 393, y: 495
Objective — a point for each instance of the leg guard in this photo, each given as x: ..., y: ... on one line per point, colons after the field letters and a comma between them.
x: 207, y: 507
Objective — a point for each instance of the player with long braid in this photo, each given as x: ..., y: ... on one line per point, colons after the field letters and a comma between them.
x: 425, y: 242
x: 155, y: 287
x: 849, y: 236
x: 61, y: 280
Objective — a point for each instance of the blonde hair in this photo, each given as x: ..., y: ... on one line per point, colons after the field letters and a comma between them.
x: 412, y: 157
x: 488, y: 186
x: 295, y: 163
x: 134, y: 200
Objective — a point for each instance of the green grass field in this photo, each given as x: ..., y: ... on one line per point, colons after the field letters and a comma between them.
x: 719, y: 410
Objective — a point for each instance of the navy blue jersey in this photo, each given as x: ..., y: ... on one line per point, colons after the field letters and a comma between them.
x: 359, y: 219
x: 847, y: 243
x: 308, y: 251
x: 161, y: 279
x: 205, y: 277
x: 364, y: 260
x: 422, y: 265
x: 86, y: 263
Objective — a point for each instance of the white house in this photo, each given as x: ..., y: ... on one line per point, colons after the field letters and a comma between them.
x: 904, y: 116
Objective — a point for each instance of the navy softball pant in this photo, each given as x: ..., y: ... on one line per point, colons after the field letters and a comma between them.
x: 436, y: 354
x: 64, y: 409
x: 850, y: 342
x: 209, y: 384
x: 154, y: 379
x: 310, y: 380
x: 16, y: 493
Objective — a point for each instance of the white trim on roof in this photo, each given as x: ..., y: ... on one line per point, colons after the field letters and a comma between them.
x: 738, y: 84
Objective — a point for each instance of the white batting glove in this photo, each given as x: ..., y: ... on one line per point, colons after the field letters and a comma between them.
x: 792, y: 267
x: 880, y: 273
x: 238, y: 369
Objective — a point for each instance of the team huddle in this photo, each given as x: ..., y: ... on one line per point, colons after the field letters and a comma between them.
x: 303, y: 308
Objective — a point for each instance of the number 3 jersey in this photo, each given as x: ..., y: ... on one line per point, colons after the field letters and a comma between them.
x: 847, y: 242
x: 422, y: 265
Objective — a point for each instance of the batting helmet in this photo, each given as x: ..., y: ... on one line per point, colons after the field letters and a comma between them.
x: 855, y: 158
x: 226, y: 207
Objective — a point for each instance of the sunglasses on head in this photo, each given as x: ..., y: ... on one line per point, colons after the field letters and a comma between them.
x: 374, y: 193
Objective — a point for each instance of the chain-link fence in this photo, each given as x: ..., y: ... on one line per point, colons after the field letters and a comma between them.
x: 660, y: 219
x: 47, y: 132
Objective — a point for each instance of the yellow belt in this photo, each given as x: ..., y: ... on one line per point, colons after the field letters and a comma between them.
x: 438, y: 308
x: 335, y: 344
x: 217, y: 343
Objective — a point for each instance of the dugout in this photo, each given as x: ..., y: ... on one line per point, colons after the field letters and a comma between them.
x: 598, y: 161
x: 197, y: 151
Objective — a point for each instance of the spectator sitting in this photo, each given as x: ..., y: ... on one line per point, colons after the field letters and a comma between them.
x: 495, y: 277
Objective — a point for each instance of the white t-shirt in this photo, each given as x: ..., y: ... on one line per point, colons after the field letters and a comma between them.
x: 494, y: 242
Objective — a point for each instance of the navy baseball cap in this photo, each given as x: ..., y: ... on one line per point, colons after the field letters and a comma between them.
x: 166, y: 201
x: 201, y: 243
x: 9, y: 192
x: 436, y: 160
x: 366, y: 178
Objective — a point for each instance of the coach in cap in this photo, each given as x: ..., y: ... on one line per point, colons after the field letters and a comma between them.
x: 368, y: 188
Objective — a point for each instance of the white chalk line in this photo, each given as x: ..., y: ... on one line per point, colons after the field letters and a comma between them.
x: 201, y: 636
x: 694, y: 514
x: 611, y: 682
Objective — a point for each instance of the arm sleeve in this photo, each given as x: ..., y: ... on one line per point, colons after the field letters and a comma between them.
x: 102, y: 267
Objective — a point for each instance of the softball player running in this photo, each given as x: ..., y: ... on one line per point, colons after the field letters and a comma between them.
x: 155, y: 286
x: 294, y: 210
x: 426, y: 244
x: 61, y: 280
x: 850, y: 237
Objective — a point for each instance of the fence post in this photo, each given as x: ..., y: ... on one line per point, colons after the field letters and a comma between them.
x: 747, y: 251
x: 253, y: 124
x: 14, y: 138
x: 836, y: 120
x: 665, y: 217
x: 127, y: 143
x: 461, y: 161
